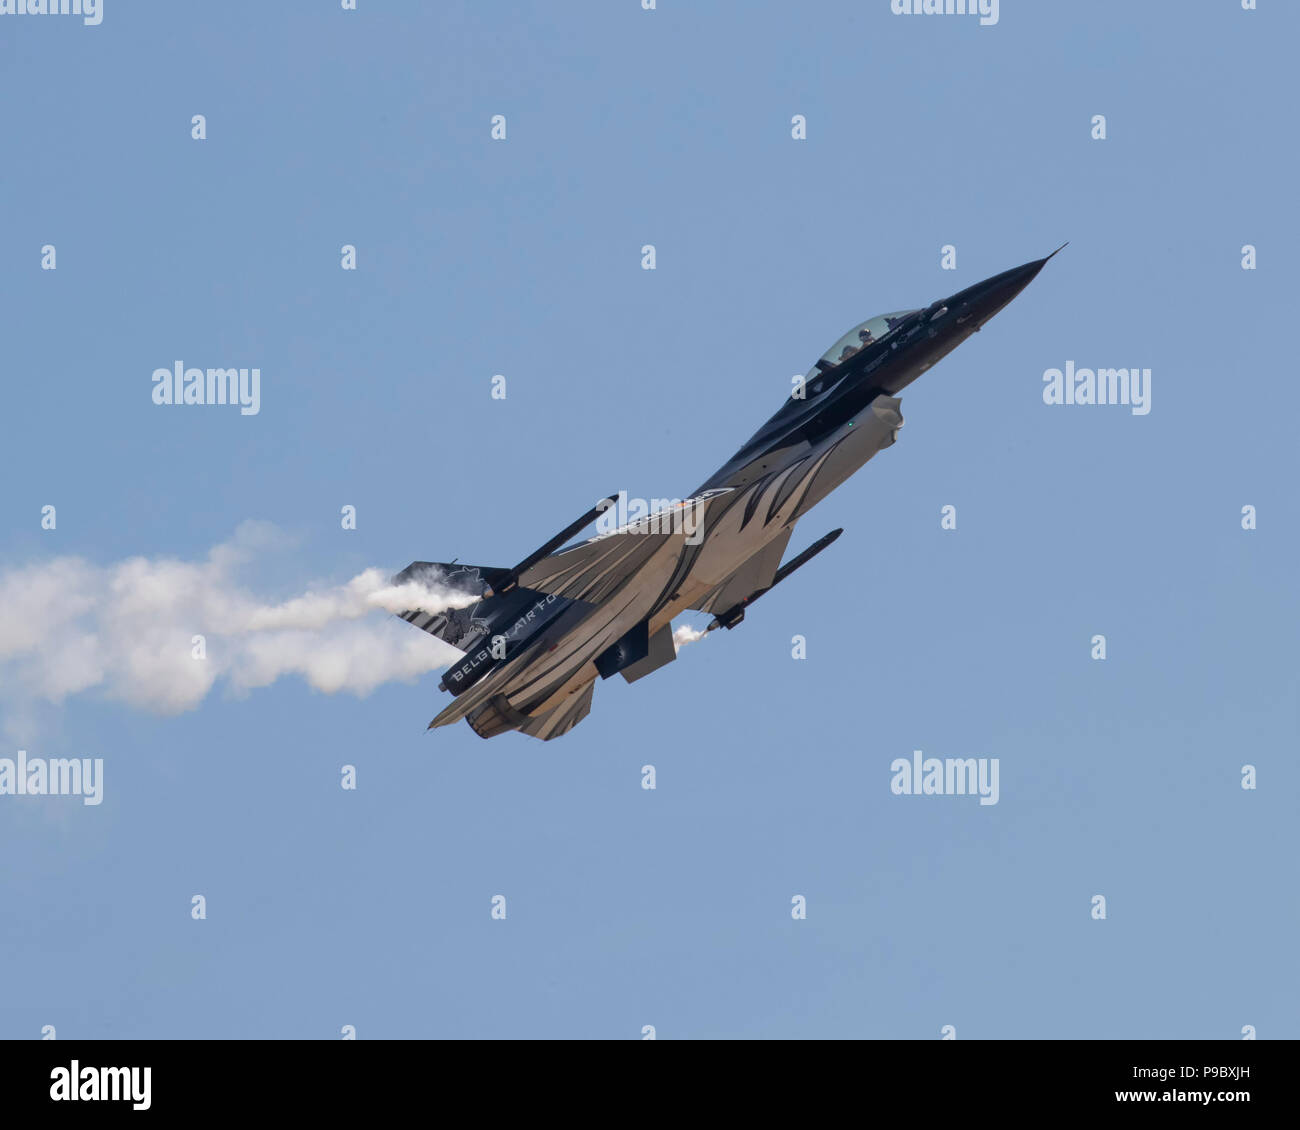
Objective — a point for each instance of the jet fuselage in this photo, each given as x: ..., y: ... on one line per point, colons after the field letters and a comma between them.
x: 540, y: 678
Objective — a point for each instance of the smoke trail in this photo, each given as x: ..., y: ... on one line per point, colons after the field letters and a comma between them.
x: 129, y: 630
x: 686, y: 634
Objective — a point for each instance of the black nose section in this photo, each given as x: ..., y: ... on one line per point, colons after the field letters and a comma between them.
x: 977, y: 304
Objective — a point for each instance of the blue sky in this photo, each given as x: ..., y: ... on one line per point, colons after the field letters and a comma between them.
x: 522, y: 257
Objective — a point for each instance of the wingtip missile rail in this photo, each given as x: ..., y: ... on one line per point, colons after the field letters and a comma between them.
x: 736, y: 613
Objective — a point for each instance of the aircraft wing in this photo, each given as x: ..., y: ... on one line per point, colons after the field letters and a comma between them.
x: 593, y: 570
x: 755, y: 573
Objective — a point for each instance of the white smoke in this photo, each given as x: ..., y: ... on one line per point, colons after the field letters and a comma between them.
x: 686, y: 634
x: 127, y: 630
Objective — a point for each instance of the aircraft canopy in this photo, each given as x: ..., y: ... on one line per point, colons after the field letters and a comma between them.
x: 865, y: 333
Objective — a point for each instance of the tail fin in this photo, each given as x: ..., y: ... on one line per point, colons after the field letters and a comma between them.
x: 460, y: 627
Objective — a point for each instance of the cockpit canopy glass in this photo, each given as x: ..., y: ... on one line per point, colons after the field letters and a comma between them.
x: 862, y: 335
x: 817, y: 384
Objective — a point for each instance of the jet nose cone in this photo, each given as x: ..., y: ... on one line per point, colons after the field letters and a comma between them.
x: 1030, y: 270
x: 980, y: 302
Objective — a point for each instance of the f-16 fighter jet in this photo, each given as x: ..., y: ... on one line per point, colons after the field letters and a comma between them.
x: 534, y: 638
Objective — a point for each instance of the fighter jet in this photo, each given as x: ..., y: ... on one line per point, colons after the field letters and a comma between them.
x: 535, y: 638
